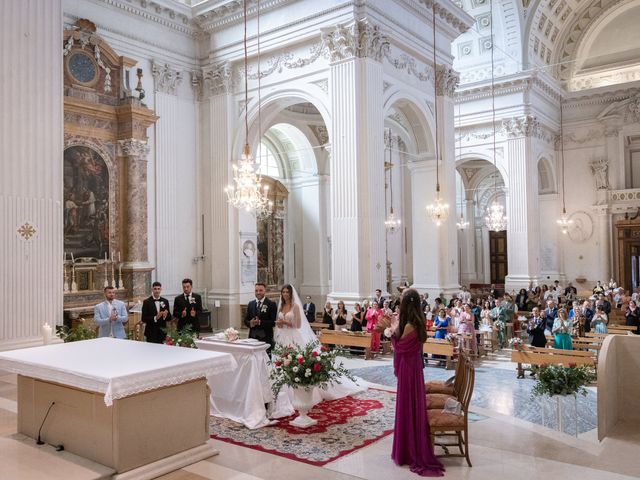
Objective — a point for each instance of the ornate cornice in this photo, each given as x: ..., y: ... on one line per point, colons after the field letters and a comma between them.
x: 218, y: 79
x: 447, y: 80
x: 166, y: 78
x: 171, y: 15
x: 507, y: 85
x: 134, y: 148
x: 626, y: 111
x: 360, y: 39
x: 525, y: 126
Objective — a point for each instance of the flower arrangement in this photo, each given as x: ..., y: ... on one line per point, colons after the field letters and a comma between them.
x: 183, y: 338
x: 516, y: 343
x: 499, y: 324
x: 80, y: 332
x: 231, y: 334
x: 560, y: 380
x: 303, y: 367
x: 450, y: 337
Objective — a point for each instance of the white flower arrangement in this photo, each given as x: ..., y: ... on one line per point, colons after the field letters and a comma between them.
x: 516, y: 343
x: 450, y: 337
x: 388, y: 332
x: 231, y: 334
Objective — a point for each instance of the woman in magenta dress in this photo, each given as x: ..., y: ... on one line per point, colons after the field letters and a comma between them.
x: 411, y: 440
x: 372, y: 316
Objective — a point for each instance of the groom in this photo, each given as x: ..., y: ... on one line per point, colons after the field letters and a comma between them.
x: 261, y: 317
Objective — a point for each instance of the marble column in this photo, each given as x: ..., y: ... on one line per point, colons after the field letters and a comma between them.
x: 604, y: 232
x: 467, y: 236
x: 357, y: 165
x: 136, y: 268
x: 523, y: 228
x: 31, y: 152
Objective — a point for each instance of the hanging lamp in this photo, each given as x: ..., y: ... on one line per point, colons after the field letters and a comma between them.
x: 462, y: 224
x: 564, y: 221
x: 392, y: 223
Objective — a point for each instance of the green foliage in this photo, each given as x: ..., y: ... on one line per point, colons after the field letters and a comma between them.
x: 77, y: 333
x: 560, y: 380
x: 183, y: 338
x: 302, y: 367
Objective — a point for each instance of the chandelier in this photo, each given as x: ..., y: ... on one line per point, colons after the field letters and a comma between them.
x: 247, y: 193
x: 495, y: 220
x: 462, y: 224
x: 564, y: 222
x: 438, y: 211
x: 392, y: 223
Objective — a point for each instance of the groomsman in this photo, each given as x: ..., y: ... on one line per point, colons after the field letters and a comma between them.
x: 187, y: 306
x: 379, y: 299
x: 261, y: 316
x: 111, y: 315
x: 310, y: 310
x: 155, y: 311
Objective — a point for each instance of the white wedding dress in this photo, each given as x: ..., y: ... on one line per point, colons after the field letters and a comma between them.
x: 301, y: 334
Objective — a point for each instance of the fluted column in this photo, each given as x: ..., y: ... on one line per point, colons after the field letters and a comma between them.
x: 31, y: 145
x: 523, y: 230
x: 605, y: 231
x: 467, y: 236
x: 357, y: 165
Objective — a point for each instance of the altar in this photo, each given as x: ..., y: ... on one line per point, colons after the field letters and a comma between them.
x: 133, y: 406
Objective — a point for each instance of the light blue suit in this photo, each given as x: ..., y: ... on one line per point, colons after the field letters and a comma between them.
x: 101, y: 314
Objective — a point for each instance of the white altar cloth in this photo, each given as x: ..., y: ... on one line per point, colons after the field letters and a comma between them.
x: 117, y: 368
x: 241, y: 395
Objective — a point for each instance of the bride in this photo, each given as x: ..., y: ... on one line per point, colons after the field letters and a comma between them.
x: 292, y: 328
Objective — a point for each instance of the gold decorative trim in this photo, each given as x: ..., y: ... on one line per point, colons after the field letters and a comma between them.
x: 27, y: 231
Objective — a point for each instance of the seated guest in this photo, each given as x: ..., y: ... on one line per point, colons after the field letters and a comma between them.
x: 632, y: 316
x: 309, y: 310
x: 535, y: 330
x: 600, y: 320
x: 327, y: 316
x: 340, y: 315
x: 562, y: 331
x: 110, y: 315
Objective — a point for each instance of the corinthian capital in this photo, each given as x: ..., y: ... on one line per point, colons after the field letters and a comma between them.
x: 218, y: 79
x: 447, y: 80
x: 524, y: 126
x: 360, y: 39
x: 166, y: 79
x: 134, y: 148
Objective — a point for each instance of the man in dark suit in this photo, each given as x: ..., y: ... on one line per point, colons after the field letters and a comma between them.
x: 155, y: 311
x: 379, y: 299
x: 310, y: 310
x: 187, y: 306
x: 261, y: 316
x: 551, y: 312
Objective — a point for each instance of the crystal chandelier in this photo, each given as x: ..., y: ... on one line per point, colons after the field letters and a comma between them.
x: 247, y: 193
x: 392, y: 223
x: 564, y: 222
x: 438, y: 211
x: 495, y: 220
x: 462, y: 224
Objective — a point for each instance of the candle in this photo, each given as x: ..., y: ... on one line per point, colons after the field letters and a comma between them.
x: 72, y: 259
x: 46, y: 334
x: 64, y: 259
x: 105, y: 256
x: 113, y: 256
x: 119, y: 256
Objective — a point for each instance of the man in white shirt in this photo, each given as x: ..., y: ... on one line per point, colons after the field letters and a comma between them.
x: 464, y: 295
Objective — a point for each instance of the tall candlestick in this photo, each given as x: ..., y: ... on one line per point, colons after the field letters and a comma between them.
x: 65, y: 283
x: 113, y: 277
x: 72, y: 259
x: 74, y: 285
x: 119, y: 257
x: 105, y: 256
x: 120, y: 282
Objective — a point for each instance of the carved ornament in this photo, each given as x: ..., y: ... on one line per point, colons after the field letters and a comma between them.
x: 166, y: 78
x: 134, y: 148
x: 447, y: 80
x: 524, y: 126
x: 360, y: 39
x: 218, y: 80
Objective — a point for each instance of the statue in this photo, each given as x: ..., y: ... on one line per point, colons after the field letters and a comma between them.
x: 599, y: 169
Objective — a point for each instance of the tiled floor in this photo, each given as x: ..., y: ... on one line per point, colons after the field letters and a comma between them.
x: 502, y: 444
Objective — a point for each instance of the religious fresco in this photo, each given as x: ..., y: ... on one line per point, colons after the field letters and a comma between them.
x: 86, y: 203
x: 271, y: 251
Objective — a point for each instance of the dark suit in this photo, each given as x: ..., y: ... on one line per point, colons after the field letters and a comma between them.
x: 310, y: 311
x: 153, y: 327
x: 535, y: 329
x: 267, y: 316
x: 587, y: 313
x: 551, y: 313
x: 380, y: 302
x: 180, y: 304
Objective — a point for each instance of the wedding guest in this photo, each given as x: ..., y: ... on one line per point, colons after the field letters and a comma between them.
x: 570, y: 292
x: 356, y: 318
x: 464, y: 295
x: 372, y: 317
x: 309, y: 310
x: 624, y: 300
x: 110, y: 315
x: 155, y: 311
x: 340, y: 315
x: 469, y: 343
x: 605, y: 303
x: 550, y: 313
x: 327, y: 316
x: 587, y: 313
x: 499, y: 316
x: 535, y: 329
x: 598, y: 289
x: 600, y: 320
x: 632, y: 316
x: 379, y: 299
x: 577, y: 320
x: 424, y: 302
x: 261, y: 316
x: 411, y: 439
x: 562, y: 331
x: 521, y: 300
x: 187, y: 306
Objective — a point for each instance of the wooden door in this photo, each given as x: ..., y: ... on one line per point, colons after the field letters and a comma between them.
x: 629, y: 253
x: 498, y: 256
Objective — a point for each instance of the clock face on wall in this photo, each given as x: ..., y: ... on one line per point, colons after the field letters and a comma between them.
x: 82, y: 68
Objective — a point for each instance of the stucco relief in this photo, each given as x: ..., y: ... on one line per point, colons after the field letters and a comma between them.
x: 447, y: 80
x: 524, y: 126
x: 167, y: 79
x: 599, y: 169
x: 359, y: 39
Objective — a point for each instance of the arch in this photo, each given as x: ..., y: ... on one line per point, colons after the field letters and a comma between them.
x: 299, y: 160
x: 546, y: 177
x: 417, y: 113
x: 468, y: 156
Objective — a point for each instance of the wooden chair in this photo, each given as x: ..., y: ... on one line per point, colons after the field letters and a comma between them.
x: 443, y: 424
x: 436, y: 401
x: 439, y: 386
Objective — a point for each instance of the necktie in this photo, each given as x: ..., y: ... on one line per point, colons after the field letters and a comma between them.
x: 259, y: 305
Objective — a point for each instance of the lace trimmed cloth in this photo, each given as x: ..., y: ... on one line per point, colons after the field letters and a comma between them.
x: 117, y: 368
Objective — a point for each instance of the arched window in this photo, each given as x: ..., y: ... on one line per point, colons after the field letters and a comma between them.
x: 268, y: 162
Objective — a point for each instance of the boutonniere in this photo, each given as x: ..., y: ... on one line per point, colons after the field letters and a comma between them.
x: 192, y: 300
x: 161, y: 304
x: 263, y: 309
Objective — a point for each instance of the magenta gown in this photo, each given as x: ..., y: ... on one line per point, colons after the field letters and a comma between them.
x: 411, y: 441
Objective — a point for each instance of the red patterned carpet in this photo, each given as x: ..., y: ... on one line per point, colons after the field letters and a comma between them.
x: 344, y: 425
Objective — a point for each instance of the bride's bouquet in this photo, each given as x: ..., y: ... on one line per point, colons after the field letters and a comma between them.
x: 302, y: 367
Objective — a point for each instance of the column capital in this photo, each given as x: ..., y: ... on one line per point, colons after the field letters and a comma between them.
x: 360, y: 39
x: 447, y: 80
x: 132, y: 147
x: 524, y: 126
x: 166, y: 79
x: 217, y: 79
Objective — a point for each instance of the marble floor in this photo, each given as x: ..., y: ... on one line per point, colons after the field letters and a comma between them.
x: 506, y: 440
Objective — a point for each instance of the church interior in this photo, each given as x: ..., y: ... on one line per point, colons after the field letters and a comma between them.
x: 467, y: 149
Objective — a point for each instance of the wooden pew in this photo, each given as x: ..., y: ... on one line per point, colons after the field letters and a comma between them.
x: 539, y: 356
x: 436, y: 346
x: 621, y: 329
x: 348, y: 339
x: 319, y: 326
